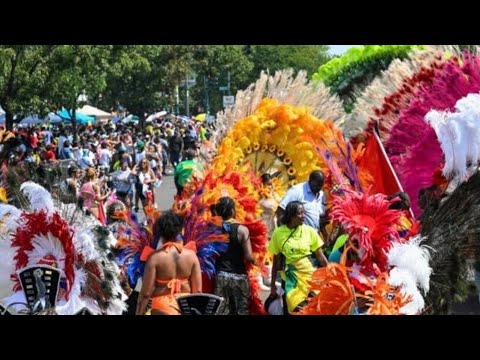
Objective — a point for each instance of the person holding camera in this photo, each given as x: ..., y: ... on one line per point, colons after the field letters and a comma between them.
x: 123, y: 181
x: 91, y: 196
x: 144, y: 186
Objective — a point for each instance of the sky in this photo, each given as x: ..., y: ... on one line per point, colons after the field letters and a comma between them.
x: 339, y: 49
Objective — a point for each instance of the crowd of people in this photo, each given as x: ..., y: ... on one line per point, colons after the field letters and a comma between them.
x: 106, y: 159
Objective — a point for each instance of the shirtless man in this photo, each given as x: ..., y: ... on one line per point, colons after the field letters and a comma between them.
x: 170, y: 271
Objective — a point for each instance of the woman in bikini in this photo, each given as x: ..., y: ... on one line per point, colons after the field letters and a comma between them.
x: 171, y: 271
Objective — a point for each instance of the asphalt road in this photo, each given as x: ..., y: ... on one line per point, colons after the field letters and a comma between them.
x: 165, y: 193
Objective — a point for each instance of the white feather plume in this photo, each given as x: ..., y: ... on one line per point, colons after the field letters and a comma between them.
x: 9, y: 216
x: 7, y: 267
x: 413, y: 258
x: 469, y: 107
x: 438, y: 120
x: 46, y: 245
x: 116, y: 307
x: 456, y: 160
x: 84, y: 244
x: 459, y: 136
x: 404, y: 279
x: 40, y: 199
x: 75, y: 303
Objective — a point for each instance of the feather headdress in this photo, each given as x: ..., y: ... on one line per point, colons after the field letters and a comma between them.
x: 411, y: 272
x: 368, y: 219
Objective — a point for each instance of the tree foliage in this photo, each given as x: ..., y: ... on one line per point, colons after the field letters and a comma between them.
x: 23, y: 72
x: 77, y: 70
x: 214, y: 64
x: 132, y: 80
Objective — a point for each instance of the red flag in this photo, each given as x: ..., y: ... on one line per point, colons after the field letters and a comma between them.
x: 376, y: 162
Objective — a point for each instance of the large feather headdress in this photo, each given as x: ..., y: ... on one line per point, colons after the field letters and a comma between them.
x: 368, y: 219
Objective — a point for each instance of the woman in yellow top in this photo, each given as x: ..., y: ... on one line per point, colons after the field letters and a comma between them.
x: 296, y: 242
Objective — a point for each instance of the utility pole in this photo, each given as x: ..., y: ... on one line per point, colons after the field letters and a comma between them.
x: 207, y: 103
x: 187, y: 110
x: 177, y: 101
x: 228, y: 83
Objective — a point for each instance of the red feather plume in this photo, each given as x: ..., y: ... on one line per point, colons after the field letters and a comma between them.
x: 368, y: 218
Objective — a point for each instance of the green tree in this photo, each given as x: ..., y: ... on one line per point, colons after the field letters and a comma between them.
x: 219, y: 65
x: 177, y: 63
x: 133, y: 80
x: 145, y: 78
x: 23, y: 73
x: 77, y: 70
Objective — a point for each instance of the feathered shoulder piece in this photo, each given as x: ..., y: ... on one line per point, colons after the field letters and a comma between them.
x: 383, y: 298
x: 336, y: 294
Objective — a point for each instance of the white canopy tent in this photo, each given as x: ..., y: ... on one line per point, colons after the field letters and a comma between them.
x: 155, y: 116
x: 130, y: 119
x: 93, y: 111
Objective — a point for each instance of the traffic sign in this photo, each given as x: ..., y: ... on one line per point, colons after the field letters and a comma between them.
x: 228, y: 101
x: 223, y: 88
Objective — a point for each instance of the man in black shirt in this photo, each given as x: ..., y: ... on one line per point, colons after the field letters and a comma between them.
x: 232, y: 280
x: 175, y: 146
